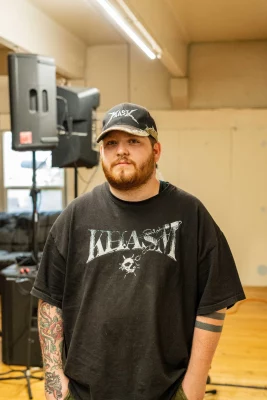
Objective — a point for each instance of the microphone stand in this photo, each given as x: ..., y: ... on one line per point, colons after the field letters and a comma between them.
x: 26, y: 373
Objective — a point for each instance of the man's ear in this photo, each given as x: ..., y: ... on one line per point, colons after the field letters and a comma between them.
x: 157, y: 151
x: 101, y: 150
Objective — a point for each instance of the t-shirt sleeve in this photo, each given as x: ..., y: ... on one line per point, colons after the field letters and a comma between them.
x: 49, y: 283
x: 219, y: 285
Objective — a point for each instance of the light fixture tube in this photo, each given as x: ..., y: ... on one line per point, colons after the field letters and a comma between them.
x: 140, y: 27
x: 127, y: 29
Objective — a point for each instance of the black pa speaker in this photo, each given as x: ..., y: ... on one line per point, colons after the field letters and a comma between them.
x: 76, y: 115
x: 33, y: 108
x: 19, y: 322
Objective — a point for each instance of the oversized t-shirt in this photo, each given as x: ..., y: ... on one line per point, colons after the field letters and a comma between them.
x: 130, y: 278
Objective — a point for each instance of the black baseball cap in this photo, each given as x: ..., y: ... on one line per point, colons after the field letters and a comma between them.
x: 131, y: 118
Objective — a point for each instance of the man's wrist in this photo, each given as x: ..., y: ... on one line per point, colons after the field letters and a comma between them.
x: 56, y: 385
x: 193, y: 388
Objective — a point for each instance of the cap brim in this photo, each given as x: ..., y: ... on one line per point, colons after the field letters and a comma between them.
x: 122, y: 128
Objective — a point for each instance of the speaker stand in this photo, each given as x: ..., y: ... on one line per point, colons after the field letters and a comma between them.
x: 26, y: 373
x: 75, y: 182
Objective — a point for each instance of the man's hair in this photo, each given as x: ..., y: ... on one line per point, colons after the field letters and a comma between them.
x: 152, y: 141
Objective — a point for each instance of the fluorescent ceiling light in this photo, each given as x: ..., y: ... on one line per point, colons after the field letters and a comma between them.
x: 154, y: 51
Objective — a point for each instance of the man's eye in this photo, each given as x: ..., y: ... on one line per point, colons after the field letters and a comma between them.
x: 111, y: 143
x: 134, y: 141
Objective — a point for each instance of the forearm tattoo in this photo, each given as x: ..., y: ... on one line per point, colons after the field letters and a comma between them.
x: 53, y: 385
x: 212, y: 322
x: 51, y: 340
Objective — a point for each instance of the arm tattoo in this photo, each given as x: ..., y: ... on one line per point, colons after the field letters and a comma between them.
x: 208, y: 327
x: 215, y: 315
x: 53, y: 385
x: 212, y: 322
x: 51, y: 335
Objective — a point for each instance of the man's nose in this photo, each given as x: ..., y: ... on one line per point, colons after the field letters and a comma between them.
x: 122, y: 149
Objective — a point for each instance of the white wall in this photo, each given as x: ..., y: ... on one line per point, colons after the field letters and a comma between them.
x: 30, y: 30
x: 4, y: 95
x: 221, y: 157
x: 123, y: 73
x: 228, y: 75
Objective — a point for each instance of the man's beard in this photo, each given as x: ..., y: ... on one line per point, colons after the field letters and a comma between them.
x: 125, y: 180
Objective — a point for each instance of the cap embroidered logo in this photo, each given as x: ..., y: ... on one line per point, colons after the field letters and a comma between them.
x: 122, y: 113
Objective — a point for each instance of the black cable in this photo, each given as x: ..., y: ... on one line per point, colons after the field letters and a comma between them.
x: 8, y: 372
x: 82, y: 179
x: 79, y: 175
x: 91, y: 178
x: 239, y: 386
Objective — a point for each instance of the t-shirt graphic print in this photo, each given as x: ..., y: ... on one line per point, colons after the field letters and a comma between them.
x: 160, y: 240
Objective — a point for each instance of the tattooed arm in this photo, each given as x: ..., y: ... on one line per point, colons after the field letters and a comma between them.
x: 50, y: 325
x: 205, y: 340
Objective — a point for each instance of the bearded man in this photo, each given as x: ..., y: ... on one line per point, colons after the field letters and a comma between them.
x: 134, y: 281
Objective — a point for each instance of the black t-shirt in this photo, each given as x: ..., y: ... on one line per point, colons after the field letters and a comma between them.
x: 130, y: 278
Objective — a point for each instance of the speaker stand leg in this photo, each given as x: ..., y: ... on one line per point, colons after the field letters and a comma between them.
x: 26, y: 374
x: 75, y: 182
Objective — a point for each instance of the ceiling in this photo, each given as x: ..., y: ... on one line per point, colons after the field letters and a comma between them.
x: 83, y: 18
x: 173, y: 23
x: 201, y: 21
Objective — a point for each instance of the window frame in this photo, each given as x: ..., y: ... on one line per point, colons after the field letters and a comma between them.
x: 3, y: 197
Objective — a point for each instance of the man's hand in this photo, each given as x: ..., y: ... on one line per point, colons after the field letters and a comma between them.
x: 194, y: 391
x: 205, y: 340
x: 56, y: 386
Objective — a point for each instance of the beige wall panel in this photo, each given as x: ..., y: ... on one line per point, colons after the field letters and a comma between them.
x: 3, y: 61
x: 210, y: 119
x: 5, y: 124
x: 149, y: 82
x: 27, y: 28
x: 124, y: 73
x: 228, y: 75
x: 4, y: 95
x: 107, y: 70
x: 168, y: 165
x: 205, y: 163
x: 87, y: 180
x: 250, y: 204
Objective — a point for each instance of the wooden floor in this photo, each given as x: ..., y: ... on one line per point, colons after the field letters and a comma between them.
x: 241, y: 357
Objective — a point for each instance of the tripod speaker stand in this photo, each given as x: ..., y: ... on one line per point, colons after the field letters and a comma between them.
x: 26, y: 373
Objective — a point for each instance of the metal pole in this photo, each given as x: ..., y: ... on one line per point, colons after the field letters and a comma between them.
x: 75, y: 182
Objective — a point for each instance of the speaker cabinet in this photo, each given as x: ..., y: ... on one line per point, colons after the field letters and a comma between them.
x: 75, y: 151
x: 19, y: 322
x: 33, y: 106
x: 77, y: 148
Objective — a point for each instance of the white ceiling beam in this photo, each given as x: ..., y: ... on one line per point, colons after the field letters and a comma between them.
x: 158, y: 18
x: 25, y: 28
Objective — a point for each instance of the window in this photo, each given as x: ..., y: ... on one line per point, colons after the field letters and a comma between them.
x: 18, y: 179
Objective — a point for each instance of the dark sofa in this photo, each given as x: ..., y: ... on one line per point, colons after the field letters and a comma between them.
x: 16, y: 234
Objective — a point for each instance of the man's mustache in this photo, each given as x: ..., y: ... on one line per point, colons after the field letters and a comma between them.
x: 122, y: 159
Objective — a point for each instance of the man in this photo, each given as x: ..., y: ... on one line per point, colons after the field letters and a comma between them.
x: 134, y: 280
